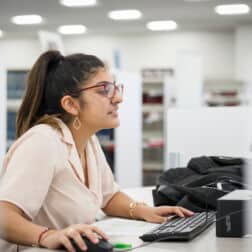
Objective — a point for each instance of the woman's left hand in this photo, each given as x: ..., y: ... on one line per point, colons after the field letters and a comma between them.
x: 161, y: 213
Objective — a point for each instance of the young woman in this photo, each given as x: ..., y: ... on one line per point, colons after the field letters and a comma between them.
x: 55, y: 177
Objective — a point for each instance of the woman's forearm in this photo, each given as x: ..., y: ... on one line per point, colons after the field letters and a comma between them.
x: 15, y: 228
x: 119, y: 206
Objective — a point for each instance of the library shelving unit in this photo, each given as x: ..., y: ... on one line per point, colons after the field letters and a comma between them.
x: 15, y: 89
x: 224, y: 92
x: 153, y: 99
x: 3, y: 105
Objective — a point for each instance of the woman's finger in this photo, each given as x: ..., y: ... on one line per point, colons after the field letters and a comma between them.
x: 66, y: 243
x: 187, y: 211
x: 76, y: 236
x: 99, y: 232
x: 179, y: 212
x: 91, y: 235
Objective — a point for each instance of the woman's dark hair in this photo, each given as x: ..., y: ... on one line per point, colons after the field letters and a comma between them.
x: 51, y: 77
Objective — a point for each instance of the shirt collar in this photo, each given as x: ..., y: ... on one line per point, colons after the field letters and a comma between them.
x: 66, y: 134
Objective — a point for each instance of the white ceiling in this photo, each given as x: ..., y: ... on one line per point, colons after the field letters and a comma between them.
x: 190, y: 16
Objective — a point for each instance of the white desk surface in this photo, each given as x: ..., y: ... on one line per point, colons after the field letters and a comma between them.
x: 205, y: 242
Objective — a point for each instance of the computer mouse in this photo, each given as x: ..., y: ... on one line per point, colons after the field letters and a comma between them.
x: 102, y: 246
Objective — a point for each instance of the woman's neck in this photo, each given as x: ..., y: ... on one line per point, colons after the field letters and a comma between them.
x: 80, y: 138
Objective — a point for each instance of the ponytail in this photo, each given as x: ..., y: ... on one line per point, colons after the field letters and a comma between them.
x: 31, y: 108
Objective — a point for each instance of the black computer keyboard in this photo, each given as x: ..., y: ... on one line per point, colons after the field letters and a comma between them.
x: 182, y: 229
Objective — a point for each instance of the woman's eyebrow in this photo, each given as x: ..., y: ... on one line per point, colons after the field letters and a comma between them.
x: 103, y: 82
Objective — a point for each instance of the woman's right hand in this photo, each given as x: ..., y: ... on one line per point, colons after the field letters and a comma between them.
x: 54, y: 239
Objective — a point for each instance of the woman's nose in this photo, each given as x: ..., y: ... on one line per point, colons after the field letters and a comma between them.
x: 117, y: 98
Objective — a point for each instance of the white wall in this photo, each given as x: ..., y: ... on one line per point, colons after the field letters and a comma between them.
x: 139, y: 50
x: 243, y: 53
x: 20, y: 54
x: 159, y: 50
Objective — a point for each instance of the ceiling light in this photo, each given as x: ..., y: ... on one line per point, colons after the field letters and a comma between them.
x: 26, y: 19
x: 1, y: 33
x: 78, y: 3
x: 125, y: 14
x: 196, y: 0
x: 232, y: 9
x: 163, y: 25
x: 72, y: 29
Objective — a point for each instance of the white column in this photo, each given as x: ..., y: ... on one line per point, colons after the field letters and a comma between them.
x: 128, y: 136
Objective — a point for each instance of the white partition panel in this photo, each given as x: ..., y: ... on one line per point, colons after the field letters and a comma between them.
x: 189, y: 79
x: 128, y: 136
x: 224, y: 131
x: 3, y: 110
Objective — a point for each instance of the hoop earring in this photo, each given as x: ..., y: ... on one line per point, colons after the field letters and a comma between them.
x: 76, y: 123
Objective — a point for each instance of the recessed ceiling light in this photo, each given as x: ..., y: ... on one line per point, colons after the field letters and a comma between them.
x: 26, y: 19
x: 232, y: 9
x: 78, y: 3
x: 125, y: 14
x: 162, y: 25
x: 196, y: 0
x: 1, y: 33
x: 72, y: 29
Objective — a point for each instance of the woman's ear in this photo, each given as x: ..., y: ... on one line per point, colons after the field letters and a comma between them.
x: 70, y: 105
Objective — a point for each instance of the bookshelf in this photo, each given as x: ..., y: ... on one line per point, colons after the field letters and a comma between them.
x: 15, y: 89
x: 224, y: 92
x: 153, y: 107
x: 3, y: 105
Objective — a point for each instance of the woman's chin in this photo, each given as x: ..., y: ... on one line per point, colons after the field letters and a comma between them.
x: 113, y: 124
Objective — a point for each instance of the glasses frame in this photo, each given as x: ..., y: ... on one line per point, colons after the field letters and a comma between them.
x: 104, y: 84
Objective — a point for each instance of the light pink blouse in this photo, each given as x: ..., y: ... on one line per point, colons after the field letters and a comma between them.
x: 42, y: 175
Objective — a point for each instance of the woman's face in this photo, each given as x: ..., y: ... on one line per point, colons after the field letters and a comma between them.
x: 98, y: 111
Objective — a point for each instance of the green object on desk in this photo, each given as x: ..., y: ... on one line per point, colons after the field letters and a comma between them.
x: 119, y: 245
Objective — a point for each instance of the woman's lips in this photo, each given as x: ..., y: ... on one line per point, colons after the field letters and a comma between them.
x: 113, y: 113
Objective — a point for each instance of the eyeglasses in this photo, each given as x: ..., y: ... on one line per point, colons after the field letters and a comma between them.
x: 109, y: 88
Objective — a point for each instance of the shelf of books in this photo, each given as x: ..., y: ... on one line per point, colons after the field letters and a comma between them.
x: 15, y: 89
x: 153, y: 81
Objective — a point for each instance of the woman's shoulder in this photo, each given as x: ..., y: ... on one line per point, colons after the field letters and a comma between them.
x: 38, y: 135
x: 44, y: 130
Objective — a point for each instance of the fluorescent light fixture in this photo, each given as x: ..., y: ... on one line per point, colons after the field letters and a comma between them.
x: 125, y: 14
x: 1, y: 33
x: 26, y: 19
x: 232, y: 9
x: 78, y: 3
x: 162, y: 25
x: 72, y: 29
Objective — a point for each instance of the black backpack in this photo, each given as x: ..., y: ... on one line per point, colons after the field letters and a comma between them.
x: 199, y: 185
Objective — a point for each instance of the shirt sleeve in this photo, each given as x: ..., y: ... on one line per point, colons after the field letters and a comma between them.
x: 29, y: 173
x: 109, y: 186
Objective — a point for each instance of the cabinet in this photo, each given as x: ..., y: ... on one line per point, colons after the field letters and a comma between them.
x: 153, y: 117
